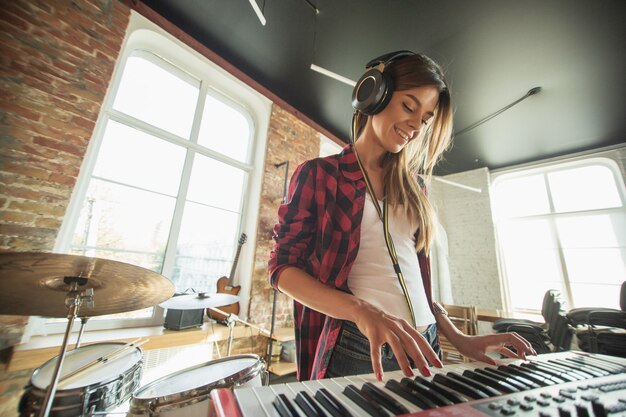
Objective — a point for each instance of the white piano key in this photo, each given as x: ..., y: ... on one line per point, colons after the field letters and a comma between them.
x: 249, y: 403
x: 265, y: 396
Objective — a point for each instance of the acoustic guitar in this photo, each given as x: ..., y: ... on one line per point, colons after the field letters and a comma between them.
x: 225, y: 286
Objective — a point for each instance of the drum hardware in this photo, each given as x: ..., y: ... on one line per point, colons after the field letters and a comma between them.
x: 57, y: 285
x: 73, y: 302
x: 187, y: 392
x: 231, y: 320
x: 83, y: 322
x: 98, y: 388
x: 123, y: 350
x: 187, y: 310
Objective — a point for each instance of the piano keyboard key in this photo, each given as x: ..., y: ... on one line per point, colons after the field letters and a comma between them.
x: 566, y: 383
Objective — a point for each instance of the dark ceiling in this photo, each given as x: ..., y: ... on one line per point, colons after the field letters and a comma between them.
x: 493, y: 51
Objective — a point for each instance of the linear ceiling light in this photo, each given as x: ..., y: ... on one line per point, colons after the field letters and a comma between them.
x: 258, y: 12
x: 333, y: 75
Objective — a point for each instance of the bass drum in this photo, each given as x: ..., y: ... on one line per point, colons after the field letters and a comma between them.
x: 101, y: 386
x: 186, y: 393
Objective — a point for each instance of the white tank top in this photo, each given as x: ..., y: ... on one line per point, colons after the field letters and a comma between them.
x: 372, y: 277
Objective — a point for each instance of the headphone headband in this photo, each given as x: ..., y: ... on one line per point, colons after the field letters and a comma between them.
x: 388, y: 58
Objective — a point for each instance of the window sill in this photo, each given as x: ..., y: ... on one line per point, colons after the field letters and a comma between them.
x: 42, y: 348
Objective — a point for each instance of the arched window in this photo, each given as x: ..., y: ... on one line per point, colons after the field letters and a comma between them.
x: 562, y: 227
x: 169, y: 180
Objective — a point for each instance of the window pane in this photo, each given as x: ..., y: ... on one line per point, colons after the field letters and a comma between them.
x: 523, y: 196
x: 124, y: 224
x: 531, y: 260
x: 224, y: 129
x: 205, y: 248
x: 135, y: 158
x: 157, y: 93
x: 592, y: 231
x: 596, y: 265
x: 594, y: 295
x: 216, y: 184
x: 585, y: 188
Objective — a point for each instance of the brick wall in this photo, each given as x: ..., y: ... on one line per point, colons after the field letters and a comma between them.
x: 289, y: 140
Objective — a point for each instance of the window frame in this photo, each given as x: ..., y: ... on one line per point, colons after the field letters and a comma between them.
x: 543, y: 169
x: 143, y: 35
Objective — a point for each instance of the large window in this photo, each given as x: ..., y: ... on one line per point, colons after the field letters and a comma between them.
x: 562, y: 227
x: 169, y: 182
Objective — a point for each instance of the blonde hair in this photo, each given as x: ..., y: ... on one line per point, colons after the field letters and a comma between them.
x: 416, y: 161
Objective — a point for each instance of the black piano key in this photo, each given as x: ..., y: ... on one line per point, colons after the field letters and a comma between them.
x: 538, y: 377
x: 490, y: 392
x: 284, y: 407
x: 409, y: 395
x: 385, y: 399
x: 427, y: 392
x: 308, y: 405
x: 494, y: 373
x: 364, y: 401
x: 450, y: 395
x: 331, y: 404
x: 492, y: 382
x: 579, y: 367
x: 459, y: 386
x: 545, y: 369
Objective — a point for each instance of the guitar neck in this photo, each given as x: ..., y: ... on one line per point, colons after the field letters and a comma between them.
x: 234, y: 267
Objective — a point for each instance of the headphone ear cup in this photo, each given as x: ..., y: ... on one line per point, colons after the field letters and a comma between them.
x: 372, y: 92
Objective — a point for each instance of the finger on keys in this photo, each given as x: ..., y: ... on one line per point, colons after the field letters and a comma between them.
x: 423, y: 347
x: 400, y: 354
x: 377, y: 365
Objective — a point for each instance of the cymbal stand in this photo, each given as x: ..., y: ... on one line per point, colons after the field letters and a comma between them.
x: 83, y: 322
x: 73, y: 301
x: 231, y: 320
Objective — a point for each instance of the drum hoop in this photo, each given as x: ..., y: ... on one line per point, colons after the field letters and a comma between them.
x: 199, y: 394
x: 132, y: 369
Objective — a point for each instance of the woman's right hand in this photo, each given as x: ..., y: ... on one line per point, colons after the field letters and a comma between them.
x: 405, y: 341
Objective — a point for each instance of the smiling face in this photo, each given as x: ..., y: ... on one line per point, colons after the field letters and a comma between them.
x: 406, y: 114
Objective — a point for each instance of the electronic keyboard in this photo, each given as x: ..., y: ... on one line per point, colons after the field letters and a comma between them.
x: 564, y: 384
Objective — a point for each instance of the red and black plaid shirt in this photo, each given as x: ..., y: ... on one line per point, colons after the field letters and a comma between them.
x: 318, y: 231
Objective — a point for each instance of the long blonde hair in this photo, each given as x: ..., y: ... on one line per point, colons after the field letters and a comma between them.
x: 420, y: 156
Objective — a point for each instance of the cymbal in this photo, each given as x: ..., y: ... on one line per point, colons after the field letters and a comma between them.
x: 198, y: 301
x: 34, y: 284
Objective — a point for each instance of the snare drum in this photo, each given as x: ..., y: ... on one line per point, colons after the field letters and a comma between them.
x: 186, y: 393
x: 104, y: 385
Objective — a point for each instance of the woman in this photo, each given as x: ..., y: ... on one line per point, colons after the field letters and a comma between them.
x: 362, y: 296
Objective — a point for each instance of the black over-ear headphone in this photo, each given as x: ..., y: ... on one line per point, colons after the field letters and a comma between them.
x: 374, y: 89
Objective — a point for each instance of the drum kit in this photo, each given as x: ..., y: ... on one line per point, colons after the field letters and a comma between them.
x: 93, y: 379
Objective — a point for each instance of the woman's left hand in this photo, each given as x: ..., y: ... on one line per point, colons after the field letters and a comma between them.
x: 477, y: 347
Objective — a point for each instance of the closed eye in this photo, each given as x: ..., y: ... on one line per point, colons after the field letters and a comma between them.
x: 407, y: 107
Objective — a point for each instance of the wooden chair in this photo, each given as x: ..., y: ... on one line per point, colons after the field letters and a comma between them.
x: 465, y: 318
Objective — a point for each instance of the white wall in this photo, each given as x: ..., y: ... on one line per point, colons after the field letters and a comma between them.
x: 466, y: 218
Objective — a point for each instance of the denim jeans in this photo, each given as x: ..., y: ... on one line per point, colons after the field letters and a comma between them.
x: 351, y: 355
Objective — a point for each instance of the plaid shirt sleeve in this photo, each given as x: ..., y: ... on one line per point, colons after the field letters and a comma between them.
x: 293, y: 236
x: 296, y: 226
